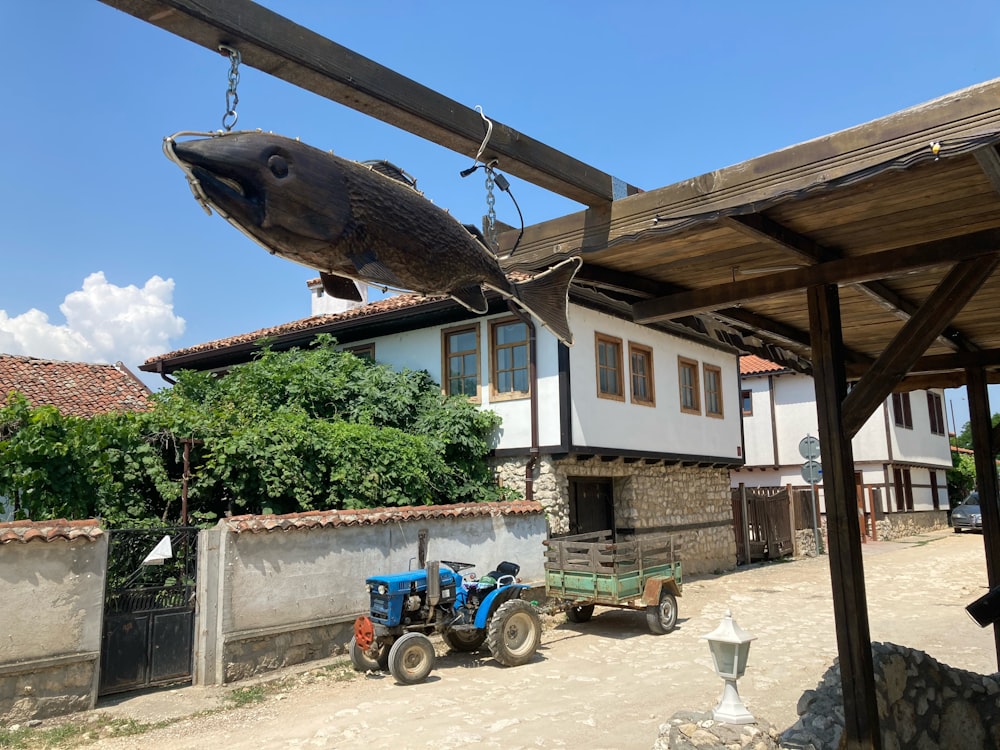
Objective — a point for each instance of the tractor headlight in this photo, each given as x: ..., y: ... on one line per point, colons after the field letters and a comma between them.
x: 383, y: 589
x: 368, y: 588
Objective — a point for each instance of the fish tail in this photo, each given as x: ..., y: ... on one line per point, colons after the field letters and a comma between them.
x: 546, y: 296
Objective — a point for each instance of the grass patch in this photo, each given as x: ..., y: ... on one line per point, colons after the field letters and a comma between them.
x: 246, y: 696
x: 73, y: 733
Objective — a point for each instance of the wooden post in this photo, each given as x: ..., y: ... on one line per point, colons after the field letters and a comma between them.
x: 986, y: 476
x: 791, y: 521
x: 850, y: 607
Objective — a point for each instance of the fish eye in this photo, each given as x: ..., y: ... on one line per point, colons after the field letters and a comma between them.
x: 278, y: 165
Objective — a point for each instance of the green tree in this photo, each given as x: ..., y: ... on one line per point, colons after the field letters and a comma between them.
x: 301, y: 430
x: 964, y: 438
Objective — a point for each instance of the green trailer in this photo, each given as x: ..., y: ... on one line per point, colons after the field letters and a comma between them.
x: 641, y: 572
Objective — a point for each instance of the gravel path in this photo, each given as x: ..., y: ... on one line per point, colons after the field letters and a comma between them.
x: 608, y: 683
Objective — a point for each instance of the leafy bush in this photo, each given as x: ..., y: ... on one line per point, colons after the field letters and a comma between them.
x: 290, y: 431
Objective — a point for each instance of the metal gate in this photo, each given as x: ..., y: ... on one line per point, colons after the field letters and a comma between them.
x: 148, y: 635
x: 763, y: 524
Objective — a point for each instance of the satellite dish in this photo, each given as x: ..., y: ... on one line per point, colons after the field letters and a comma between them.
x: 162, y: 551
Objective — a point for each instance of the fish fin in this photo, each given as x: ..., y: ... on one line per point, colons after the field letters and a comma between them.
x: 371, y: 269
x: 546, y: 296
x: 474, y: 231
x: 472, y: 298
x: 340, y: 287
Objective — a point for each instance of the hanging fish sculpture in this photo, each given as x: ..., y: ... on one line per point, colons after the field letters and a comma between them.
x: 351, y: 222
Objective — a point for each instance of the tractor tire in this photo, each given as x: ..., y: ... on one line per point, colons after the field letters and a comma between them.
x: 363, y: 662
x: 411, y: 658
x: 662, y: 618
x: 581, y: 613
x: 466, y: 641
x: 514, y: 632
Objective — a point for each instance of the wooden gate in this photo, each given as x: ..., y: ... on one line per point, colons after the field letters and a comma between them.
x: 148, y: 635
x: 762, y: 522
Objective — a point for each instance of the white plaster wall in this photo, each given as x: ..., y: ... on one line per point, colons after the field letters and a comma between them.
x: 53, y: 598
x: 758, y: 432
x: 282, y: 579
x: 870, y: 442
x: 606, y: 423
x: 919, y: 444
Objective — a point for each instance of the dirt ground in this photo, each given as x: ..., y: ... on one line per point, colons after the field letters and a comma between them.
x: 607, y: 683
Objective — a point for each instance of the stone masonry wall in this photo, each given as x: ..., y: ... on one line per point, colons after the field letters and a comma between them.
x: 691, y: 502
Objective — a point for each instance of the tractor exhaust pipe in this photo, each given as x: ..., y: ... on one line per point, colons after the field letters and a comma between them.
x: 433, y: 583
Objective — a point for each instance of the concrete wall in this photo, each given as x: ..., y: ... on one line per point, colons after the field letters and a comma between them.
x: 50, y: 636
x: 280, y: 590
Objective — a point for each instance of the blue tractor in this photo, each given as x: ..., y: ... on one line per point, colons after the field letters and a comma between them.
x: 408, y: 607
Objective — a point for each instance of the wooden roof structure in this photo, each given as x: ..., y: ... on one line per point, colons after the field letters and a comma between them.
x: 868, y: 255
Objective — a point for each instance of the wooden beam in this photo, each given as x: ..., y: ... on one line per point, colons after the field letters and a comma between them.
x: 275, y: 45
x: 981, y: 430
x: 845, y: 270
x: 850, y: 605
x: 763, y: 228
x: 989, y: 162
x: 912, y: 340
x: 943, y: 363
x: 938, y: 380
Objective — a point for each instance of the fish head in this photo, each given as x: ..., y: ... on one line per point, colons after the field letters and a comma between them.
x: 286, y: 195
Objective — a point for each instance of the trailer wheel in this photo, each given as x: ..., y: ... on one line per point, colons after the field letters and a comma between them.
x: 411, y: 658
x: 362, y: 660
x: 662, y: 618
x: 514, y: 632
x: 466, y: 641
x: 581, y: 613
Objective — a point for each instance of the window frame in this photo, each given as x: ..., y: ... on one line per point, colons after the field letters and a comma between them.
x: 746, y: 397
x: 647, y: 352
x: 682, y: 364
x: 935, y: 411
x: 362, y: 351
x: 446, y: 355
x: 902, y: 412
x: 617, y: 367
x: 706, y: 369
x: 496, y: 395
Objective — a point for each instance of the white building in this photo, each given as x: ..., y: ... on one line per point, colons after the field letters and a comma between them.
x: 633, y: 428
x: 901, y: 454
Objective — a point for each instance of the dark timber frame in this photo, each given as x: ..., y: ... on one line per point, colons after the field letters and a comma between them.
x: 878, y: 226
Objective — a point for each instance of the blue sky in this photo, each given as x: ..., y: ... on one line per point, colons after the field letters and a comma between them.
x: 651, y: 92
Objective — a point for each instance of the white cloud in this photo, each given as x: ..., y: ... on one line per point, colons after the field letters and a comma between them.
x: 104, y: 323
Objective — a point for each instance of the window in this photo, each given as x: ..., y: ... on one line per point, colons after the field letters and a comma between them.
x: 903, y: 484
x: 690, y: 395
x: 936, y: 412
x: 641, y: 369
x: 364, y: 351
x: 901, y: 410
x: 510, y: 359
x: 609, y: 367
x: 713, y: 391
x: 461, y: 361
x: 746, y: 398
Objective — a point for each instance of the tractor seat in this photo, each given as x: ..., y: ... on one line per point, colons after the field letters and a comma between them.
x: 506, y: 573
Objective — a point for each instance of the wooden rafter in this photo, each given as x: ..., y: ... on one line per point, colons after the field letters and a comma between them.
x: 844, y: 270
x: 989, y: 162
x: 286, y: 50
x: 950, y: 296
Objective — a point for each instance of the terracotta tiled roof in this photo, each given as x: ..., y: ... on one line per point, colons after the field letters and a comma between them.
x: 47, y: 531
x: 389, y: 304
x: 753, y: 365
x: 75, y: 388
x: 376, y: 516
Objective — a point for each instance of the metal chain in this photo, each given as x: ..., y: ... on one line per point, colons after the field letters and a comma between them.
x: 491, y: 214
x: 232, y: 98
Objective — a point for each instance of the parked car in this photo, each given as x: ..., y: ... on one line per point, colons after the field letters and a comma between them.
x: 966, y: 515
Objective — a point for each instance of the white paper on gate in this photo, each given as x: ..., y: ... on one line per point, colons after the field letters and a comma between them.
x: 162, y: 551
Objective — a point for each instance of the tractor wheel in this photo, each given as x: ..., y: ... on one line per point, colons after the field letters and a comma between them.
x: 662, y: 618
x: 581, y: 613
x: 514, y: 632
x: 464, y: 640
x: 362, y: 660
x: 411, y: 658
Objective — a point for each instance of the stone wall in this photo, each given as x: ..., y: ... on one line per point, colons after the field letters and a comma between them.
x: 691, y: 502
x: 897, y: 525
x: 921, y: 702
x: 52, y: 575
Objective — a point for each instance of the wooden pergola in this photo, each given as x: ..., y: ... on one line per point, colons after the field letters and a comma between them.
x: 865, y: 257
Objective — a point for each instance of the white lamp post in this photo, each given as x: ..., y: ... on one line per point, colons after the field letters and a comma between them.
x: 730, y: 646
